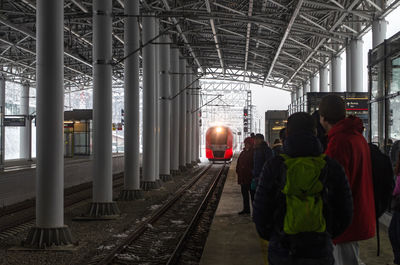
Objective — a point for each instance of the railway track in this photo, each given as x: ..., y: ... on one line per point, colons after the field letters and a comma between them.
x: 161, y: 238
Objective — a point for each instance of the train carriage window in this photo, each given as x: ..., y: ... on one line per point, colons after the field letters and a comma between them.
x: 219, y: 136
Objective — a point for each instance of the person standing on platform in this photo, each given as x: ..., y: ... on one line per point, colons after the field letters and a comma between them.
x: 262, y: 153
x: 277, y: 147
x: 303, y: 199
x: 244, y: 167
x: 347, y: 145
x: 394, y: 227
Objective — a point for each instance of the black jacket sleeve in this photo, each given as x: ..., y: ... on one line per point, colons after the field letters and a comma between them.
x: 339, y: 199
x: 267, y: 197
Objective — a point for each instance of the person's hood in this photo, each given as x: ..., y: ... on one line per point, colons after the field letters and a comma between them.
x: 302, y: 144
x: 349, y: 125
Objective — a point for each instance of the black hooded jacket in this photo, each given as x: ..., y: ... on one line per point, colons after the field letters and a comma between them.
x: 269, y: 203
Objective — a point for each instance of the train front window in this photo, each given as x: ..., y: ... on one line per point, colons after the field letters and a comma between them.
x: 219, y: 136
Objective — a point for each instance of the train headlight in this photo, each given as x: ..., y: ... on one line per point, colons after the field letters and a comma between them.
x: 218, y: 129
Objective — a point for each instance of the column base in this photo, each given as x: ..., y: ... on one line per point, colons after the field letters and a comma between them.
x: 165, y: 178
x: 130, y: 195
x: 159, y: 183
x: 182, y: 169
x: 198, y: 160
x: 189, y: 166
x: 194, y: 163
x: 100, y: 211
x: 42, y: 238
x: 148, y: 185
x: 175, y: 173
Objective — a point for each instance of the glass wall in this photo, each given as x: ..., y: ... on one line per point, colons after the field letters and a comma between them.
x: 384, y: 96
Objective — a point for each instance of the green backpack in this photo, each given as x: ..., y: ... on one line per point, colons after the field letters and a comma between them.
x: 303, y: 191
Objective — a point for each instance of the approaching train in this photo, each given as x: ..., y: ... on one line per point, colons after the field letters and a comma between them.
x: 219, y: 143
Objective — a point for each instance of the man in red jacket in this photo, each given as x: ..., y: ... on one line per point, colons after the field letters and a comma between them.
x: 347, y: 145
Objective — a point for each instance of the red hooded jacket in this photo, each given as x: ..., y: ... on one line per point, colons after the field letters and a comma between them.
x: 347, y: 145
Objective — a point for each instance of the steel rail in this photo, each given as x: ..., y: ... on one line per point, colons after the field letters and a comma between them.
x: 178, y: 249
x: 145, y: 225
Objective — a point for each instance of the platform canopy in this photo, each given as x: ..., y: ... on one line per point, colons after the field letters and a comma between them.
x: 276, y: 43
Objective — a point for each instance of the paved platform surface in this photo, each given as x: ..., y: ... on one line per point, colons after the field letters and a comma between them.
x: 233, y: 239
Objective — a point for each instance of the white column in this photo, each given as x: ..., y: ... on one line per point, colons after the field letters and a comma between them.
x: 356, y: 65
x: 198, y: 122
x: 194, y: 127
x: 50, y: 228
x: 323, y: 79
x: 2, y: 113
x: 174, y: 78
x: 314, y: 82
x: 165, y: 112
x: 157, y: 102
x: 293, y: 96
x: 189, y: 142
x: 348, y: 68
x: 182, y: 114
x: 306, y: 87
x: 379, y: 28
x: 102, y: 111
x: 149, y: 123
x: 131, y: 103
x: 336, y: 63
x: 25, y: 132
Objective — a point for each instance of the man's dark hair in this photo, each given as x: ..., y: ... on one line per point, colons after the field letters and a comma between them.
x: 332, y: 108
x: 259, y: 136
x: 300, y: 122
x: 252, y: 135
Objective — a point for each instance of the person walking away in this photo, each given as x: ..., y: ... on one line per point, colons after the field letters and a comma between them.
x: 347, y: 145
x: 262, y: 153
x: 303, y: 199
x: 244, y: 167
x: 277, y: 147
x: 394, y: 227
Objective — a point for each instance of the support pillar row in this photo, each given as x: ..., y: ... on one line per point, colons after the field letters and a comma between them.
x: 49, y: 229
x: 165, y: 112
x: 182, y: 114
x: 189, y: 143
x: 131, y: 104
x: 336, y: 63
x: 174, y: 78
x: 323, y: 79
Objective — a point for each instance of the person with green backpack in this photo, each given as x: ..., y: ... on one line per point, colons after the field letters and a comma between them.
x: 303, y: 199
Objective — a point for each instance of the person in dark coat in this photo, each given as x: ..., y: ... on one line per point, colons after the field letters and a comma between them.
x: 347, y: 145
x: 269, y: 207
x: 321, y: 133
x: 277, y: 147
x: 244, y: 167
x: 262, y: 153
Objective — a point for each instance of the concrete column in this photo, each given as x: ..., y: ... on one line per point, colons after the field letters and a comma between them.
x: 306, y: 87
x: 314, y: 83
x: 2, y: 113
x: 336, y: 63
x: 174, y: 78
x: 198, y: 123
x: 323, y: 79
x: 194, y: 125
x: 348, y: 68
x: 165, y: 112
x: 356, y: 65
x: 182, y: 114
x: 189, y: 142
x: 149, y: 123
x: 157, y: 102
x: 50, y: 229
x: 379, y: 28
x: 102, y: 204
x: 25, y: 132
x: 131, y: 104
x: 293, y: 96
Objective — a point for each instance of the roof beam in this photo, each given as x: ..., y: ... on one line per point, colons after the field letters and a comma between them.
x: 215, y: 35
x: 285, y: 35
x: 248, y: 35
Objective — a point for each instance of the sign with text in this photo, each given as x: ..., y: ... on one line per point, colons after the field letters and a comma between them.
x: 15, y: 121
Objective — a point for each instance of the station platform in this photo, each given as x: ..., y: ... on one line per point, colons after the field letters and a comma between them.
x: 18, y: 177
x: 233, y: 240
